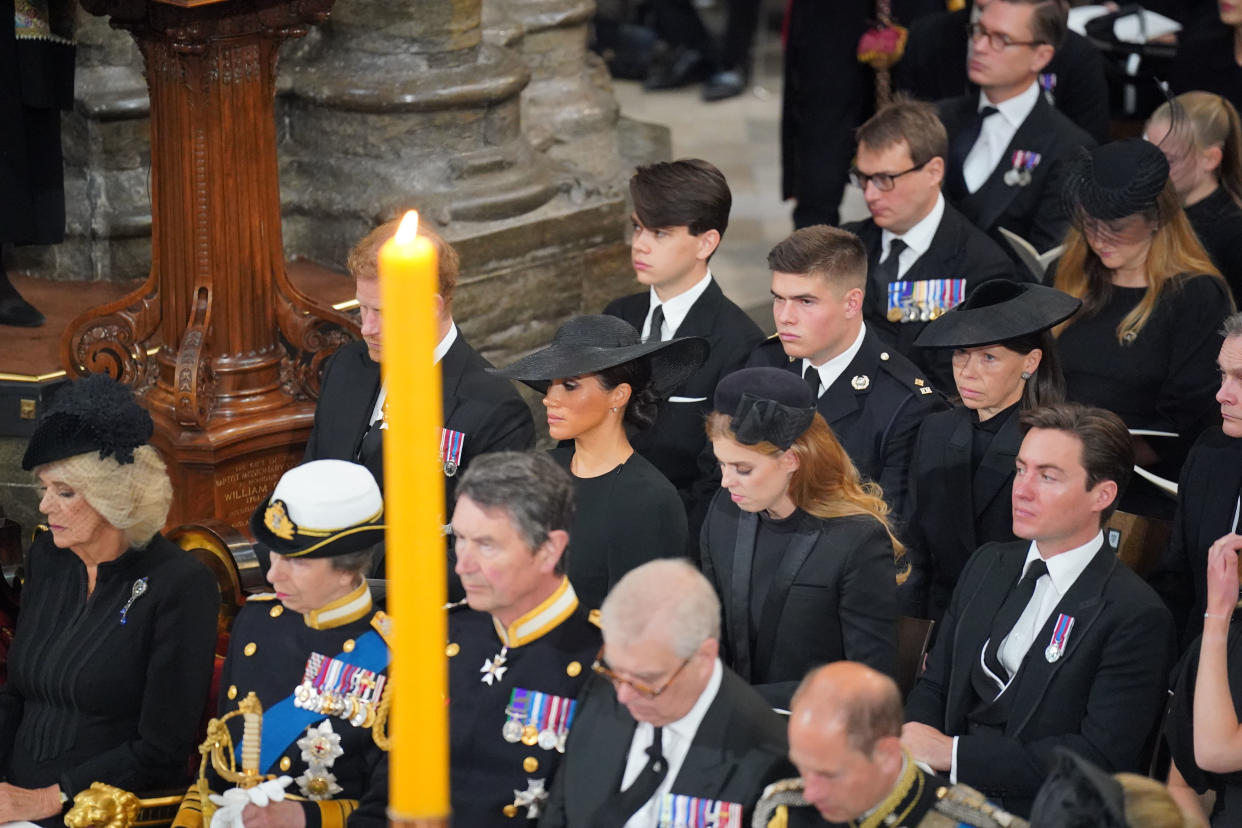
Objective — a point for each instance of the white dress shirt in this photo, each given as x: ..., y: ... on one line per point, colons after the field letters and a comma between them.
x: 442, y: 348
x: 675, y: 309
x: 997, y: 132
x: 918, y: 238
x: 835, y: 367
x: 676, y: 740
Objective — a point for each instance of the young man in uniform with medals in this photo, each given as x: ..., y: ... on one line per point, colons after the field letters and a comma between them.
x: 312, y: 658
x: 520, y: 646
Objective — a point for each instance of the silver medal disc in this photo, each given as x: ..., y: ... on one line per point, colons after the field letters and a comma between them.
x: 512, y: 731
x: 1052, y: 653
x: 1024, y: 178
x: 547, y: 739
x: 1012, y: 178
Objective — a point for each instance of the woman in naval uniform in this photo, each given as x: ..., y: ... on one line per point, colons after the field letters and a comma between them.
x: 961, y: 474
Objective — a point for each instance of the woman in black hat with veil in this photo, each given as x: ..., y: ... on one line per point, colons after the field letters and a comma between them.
x: 598, y: 379
x: 1144, y: 344
x: 961, y: 472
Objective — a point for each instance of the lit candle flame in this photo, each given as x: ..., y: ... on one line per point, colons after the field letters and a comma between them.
x: 408, y: 229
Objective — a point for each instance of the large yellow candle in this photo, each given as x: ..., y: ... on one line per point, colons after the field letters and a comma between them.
x: 414, y: 502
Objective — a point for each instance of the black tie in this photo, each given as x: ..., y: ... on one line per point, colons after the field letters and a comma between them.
x: 891, y: 267
x: 616, y: 810
x: 965, y: 140
x: 1009, y: 614
x: 657, y: 325
x: 811, y: 375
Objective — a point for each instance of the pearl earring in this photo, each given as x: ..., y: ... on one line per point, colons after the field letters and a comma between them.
x: 1026, y: 375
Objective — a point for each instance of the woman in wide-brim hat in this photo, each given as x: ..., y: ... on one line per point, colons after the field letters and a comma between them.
x: 962, y: 469
x: 1144, y: 344
x: 597, y: 379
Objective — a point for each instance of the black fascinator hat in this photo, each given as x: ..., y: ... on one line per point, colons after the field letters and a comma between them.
x: 999, y: 310
x: 1115, y: 180
x: 95, y: 413
x: 766, y: 405
x: 1077, y: 794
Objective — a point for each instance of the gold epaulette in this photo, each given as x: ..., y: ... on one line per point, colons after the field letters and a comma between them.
x: 593, y: 617
x: 262, y: 596
x: 381, y: 622
x: 966, y: 805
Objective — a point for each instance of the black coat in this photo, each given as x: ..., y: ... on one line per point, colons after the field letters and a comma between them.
x: 1205, y: 61
x: 876, y: 423
x: 1035, y: 211
x: 958, y: 250
x: 953, y: 513
x: 676, y: 441
x: 1217, y: 221
x: 1102, y: 698
x: 833, y: 597
x: 934, y: 67
x: 737, y: 751
x: 484, y: 407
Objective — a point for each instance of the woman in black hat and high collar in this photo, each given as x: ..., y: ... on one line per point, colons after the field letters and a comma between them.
x: 110, y: 666
x: 598, y: 380
x: 796, y: 544
x: 1144, y: 344
x: 961, y: 472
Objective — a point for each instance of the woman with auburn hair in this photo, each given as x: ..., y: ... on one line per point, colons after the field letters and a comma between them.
x: 1144, y: 343
x: 796, y: 544
x: 1201, y: 136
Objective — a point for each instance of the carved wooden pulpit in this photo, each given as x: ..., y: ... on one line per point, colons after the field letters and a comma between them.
x: 224, y: 349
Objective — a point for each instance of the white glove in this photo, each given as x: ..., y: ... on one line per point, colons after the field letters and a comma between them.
x: 231, y: 803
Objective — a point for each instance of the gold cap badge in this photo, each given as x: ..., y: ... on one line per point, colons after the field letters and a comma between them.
x: 277, y: 519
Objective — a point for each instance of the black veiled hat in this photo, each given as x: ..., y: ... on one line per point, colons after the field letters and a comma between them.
x: 999, y: 310
x: 1115, y: 180
x: 1077, y: 794
x: 589, y: 344
x: 766, y: 405
x: 95, y: 413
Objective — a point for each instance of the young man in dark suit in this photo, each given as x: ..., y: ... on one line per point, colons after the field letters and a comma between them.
x: 1007, y: 144
x: 923, y: 256
x: 664, y: 723
x: 681, y: 210
x: 871, y: 396
x: 1048, y: 641
x: 482, y: 412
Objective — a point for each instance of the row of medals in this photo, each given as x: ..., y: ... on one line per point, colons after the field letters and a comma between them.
x: 921, y: 312
x: 514, y: 731
x: 358, y: 712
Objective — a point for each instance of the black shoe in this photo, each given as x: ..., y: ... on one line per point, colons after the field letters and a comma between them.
x: 679, y: 68
x: 16, y: 311
x: 722, y: 85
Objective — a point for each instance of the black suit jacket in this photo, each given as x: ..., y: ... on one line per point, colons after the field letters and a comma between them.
x: 1102, y: 698
x: 876, y: 421
x: 934, y: 67
x: 676, y: 441
x: 952, y: 512
x: 738, y: 750
x: 833, y: 597
x: 1035, y: 211
x: 958, y: 250
x: 484, y: 407
x: 1207, y: 496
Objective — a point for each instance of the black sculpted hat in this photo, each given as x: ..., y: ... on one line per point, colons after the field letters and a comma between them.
x: 1118, y: 179
x: 1077, y: 794
x: 767, y: 405
x: 588, y: 344
x: 95, y: 413
x: 321, y: 509
x: 998, y: 310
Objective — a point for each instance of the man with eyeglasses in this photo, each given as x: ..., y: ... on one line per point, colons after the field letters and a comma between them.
x: 665, y: 735
x: 520, y: 651
x: 923, y: 256
x: 1007, y: 144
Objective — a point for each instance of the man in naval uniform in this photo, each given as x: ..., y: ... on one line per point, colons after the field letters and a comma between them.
x: 520, y: 646
x: 314, y: 656
x: 873, y: 398
x: 845, y: 740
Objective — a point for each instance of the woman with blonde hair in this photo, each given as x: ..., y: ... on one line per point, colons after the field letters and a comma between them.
x: 1201, y: 136
x: 796, y: 544
x: 1144, y: 343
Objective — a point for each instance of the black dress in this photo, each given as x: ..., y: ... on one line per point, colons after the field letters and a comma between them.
x: 1179, y: 729
x: 1205, y: 61
x: 1217, y: 220
x: 98, y: 695
x: 622, y: 519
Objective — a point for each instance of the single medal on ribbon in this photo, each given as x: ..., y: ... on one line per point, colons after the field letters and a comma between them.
x: 516, y: 712
x: 451, y: 445
x: 1048, y: 83
x: 1060, y: 638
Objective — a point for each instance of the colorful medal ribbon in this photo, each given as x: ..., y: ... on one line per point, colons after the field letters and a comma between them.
x: 1060, y: 638
x: 535, y: 718
x: 516, y: 712
x: 681, y: 811
x: 451, y: 445
x: 1048, y: 83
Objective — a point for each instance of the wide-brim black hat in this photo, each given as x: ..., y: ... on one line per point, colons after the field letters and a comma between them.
x: 997, y: 311
x: 1077, y: 794
x: 95, y: 413
x: 321, y: 509
x: 765, y: 405
x: 589, y: 344
x: 1115, y: 180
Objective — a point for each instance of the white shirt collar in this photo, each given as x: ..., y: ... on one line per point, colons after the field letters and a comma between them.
x: 1064, y: 569
x: 1016, y: 109
x: 918, y: 238
x: 835, y: 367
x: 675, y: 309
x: 688, y: 725
x: 446, y: 343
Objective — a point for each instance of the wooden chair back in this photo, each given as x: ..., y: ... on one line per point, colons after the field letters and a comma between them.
x: 1138, y: 540
x: 913, y: 637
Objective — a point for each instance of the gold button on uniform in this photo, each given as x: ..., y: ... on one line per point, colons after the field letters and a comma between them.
x: 530, y: 764
x: 510, y: 810
x: 250, y: 648
x: 348, y: 646
x: 573, y: 669
x: 276, y: 611
x: 232, y: 691
x: 285, y: 763
x: 452, y: 649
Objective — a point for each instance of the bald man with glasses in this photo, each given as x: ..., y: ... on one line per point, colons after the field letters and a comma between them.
x: 664, y: 730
